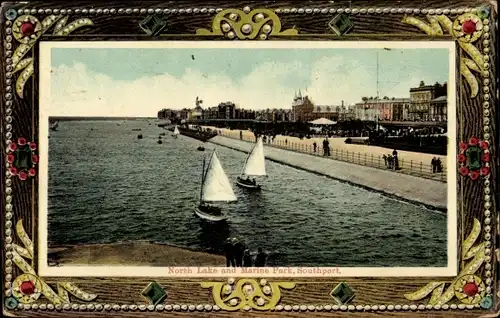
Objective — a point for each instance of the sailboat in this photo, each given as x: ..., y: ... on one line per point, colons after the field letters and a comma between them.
x: 54, y: 125
x: 215, y: 187
x: 255, y: 166
x: 176, y: 132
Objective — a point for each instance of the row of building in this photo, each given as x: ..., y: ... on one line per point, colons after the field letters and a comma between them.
x: 426, y: 103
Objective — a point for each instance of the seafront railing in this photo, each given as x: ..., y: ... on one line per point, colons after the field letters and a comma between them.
x: 410, y: 167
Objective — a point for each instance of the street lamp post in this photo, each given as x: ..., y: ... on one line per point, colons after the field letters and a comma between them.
x: 377, y: 107
x: 376, y: 101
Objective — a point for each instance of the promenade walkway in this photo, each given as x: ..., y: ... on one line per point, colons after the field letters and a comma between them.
x: 426, y: 192
x: 412, y: 163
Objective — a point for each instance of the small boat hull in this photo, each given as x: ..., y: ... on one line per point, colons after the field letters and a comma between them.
x: 207, y: 216
x: 241, y: 183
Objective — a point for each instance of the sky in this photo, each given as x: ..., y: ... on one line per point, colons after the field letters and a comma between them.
x: 141, y: 81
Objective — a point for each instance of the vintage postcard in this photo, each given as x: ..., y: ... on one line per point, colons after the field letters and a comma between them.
x: 249, y: 158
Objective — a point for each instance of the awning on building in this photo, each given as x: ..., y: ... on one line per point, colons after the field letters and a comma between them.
x: 323, y: 121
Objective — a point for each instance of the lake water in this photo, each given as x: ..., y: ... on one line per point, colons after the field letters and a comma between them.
x: 106, y: 186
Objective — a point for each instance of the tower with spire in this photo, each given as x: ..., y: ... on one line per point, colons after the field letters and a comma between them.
x: 298, y: 97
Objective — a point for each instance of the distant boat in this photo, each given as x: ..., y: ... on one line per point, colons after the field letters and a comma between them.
x: 53, y: 126
x: 255, y: 166
x: 159, y: 141
x: 215, y: 187
x: 139, y: 136
x: 176, y: 132
x: 200, y: 148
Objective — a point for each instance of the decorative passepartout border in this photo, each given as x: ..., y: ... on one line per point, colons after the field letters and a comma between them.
x: 23, y: 29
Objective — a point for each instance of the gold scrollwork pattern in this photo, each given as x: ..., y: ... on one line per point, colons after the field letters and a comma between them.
x: 467, y: 287
x: 466, y: 29
x: 27, y: 29
x: 247, y: 294
x: 234, y: 23
x: 30, y: 277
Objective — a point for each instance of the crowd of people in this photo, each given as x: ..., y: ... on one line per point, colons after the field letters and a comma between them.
x: 239, y: 255
x: 392, y: 161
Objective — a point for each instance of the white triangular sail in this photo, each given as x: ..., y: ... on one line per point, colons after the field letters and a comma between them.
x: 216, y: 185
x: 256, y: 162
x: 176, y: 131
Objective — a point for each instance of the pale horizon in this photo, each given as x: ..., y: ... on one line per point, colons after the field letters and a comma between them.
x: 137, y: 79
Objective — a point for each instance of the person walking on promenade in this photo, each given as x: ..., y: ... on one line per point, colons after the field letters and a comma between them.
x: 229, y: 250
x: 260, y: 260
x: 315, y: 146
x: 439, y: 165
x: 286, y: 142
x: 241, y: 135
x: 327, y: 144
x: 434, y: 164
x: 396, y: 160
x: 247, y: 258
x: 239, y: 249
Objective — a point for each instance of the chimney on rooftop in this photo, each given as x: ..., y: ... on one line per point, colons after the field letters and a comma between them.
x: 342, y: 103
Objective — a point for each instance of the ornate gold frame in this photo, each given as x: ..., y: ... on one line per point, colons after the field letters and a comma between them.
x: 475, y: 65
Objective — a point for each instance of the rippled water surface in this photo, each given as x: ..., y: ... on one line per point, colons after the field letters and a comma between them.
x: 105, y: 186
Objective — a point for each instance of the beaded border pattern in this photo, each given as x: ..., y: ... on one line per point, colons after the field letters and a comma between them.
x: 305, y: 10
x: 207, y: 307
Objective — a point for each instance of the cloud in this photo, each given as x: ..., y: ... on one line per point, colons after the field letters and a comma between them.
x: 76, y: 91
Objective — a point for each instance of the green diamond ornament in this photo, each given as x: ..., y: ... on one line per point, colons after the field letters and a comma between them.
x: 473, y: 155
x: 153, y: 25
x: 154, y: 293
x: 11, y: 303
x: 486, y: 303
x: 341, y: 24
x: 24, y: 159
x: 342, y: 294
x: 483, y: 12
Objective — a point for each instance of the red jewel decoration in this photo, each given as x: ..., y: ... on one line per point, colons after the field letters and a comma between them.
x: 35, y: 158
x: 463, y: 171
x: 12, y: 146
x: 486, y: 157
x: 469, y: 27
x: 27, y: 28
x: 23, y: 175
x: 27, y: 287
x: 21, y: 141
x: 32, y: 145
x: 32, y: 172
x: 13, y: 171
x: 473, y: 141
x: 462, y: 158
x: 485, y: 171
x: 11, y: 158
x: 484, y: 145
x: 471, y: 289
x: 463, y: 146
x: 474, y: 175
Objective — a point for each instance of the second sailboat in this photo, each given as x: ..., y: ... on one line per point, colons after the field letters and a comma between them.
x: 255, y: 166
